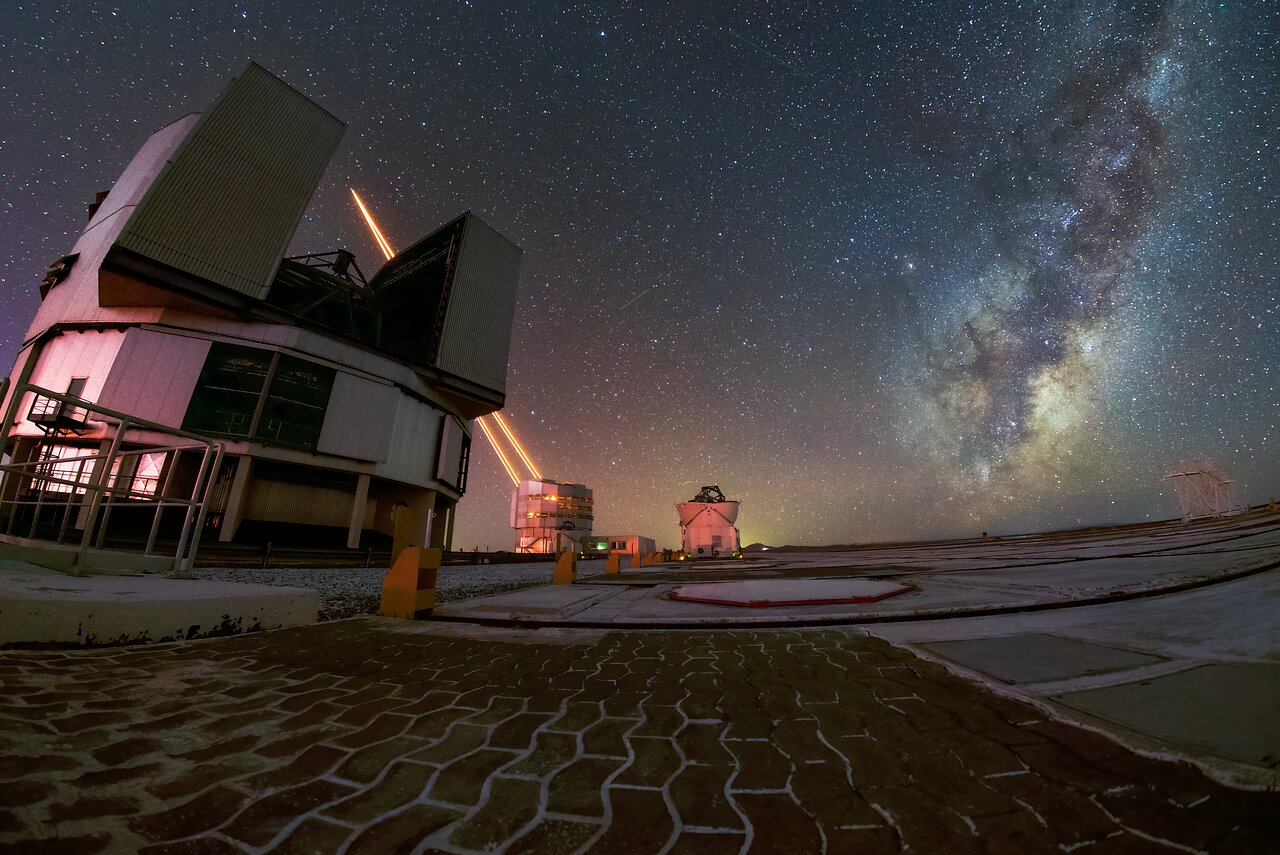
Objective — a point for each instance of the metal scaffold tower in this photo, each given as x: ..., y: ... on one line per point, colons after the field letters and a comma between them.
x: 1203, y: 492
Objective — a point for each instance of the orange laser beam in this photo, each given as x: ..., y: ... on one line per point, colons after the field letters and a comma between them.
x: 385, y: 246
x: 383, y: 243
x: 511, y: 437
x: 494, y: 443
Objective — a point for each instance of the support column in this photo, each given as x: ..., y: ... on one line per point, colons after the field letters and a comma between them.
x: 440, y: 522
x: 412, y: 522
x: 358, y: 507
x: 236, y: 499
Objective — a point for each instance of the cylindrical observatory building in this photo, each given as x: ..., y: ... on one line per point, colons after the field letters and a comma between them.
x: 707, y: 524
x: 343, y: 402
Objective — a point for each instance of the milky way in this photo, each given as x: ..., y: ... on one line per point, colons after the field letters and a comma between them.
x: 1070, y: 193
x: 878, y: 270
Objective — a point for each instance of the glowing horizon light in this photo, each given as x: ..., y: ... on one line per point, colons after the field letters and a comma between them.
x: 511, y: 437
x: 493, y: 442
x: 383, y: 243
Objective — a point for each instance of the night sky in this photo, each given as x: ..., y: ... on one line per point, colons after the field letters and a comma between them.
x: 894, y: 271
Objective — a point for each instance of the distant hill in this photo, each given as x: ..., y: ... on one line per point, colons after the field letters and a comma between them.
x: 757, y: 547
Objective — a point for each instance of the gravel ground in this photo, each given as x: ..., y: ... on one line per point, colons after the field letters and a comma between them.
x: 348, y: 591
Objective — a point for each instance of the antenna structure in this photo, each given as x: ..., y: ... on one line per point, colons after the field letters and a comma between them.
x: 1203, y: 492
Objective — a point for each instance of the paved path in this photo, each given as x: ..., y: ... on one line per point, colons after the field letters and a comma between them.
x: 374, y: 736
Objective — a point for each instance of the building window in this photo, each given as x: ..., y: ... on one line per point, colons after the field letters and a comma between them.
x: 250, y: 392
x: 227, y: 393
x: 293, y: 411
x: 455, y: 453
x: 66, y: 463
x: 139, y: 473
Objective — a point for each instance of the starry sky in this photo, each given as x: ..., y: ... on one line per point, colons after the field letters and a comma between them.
x: 895, y: 271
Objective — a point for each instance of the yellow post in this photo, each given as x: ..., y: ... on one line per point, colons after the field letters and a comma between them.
x: 635, y: 559
x: 566, y: 569
x: 613, y: 563
x: 409, y: 591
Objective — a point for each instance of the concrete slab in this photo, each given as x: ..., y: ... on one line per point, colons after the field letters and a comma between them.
x: 64, y: 556
x: 1037, y: 657
x: 764, y: 593
x: 548, y: 603
x: 1229, y: 710
x: 1237, y: 620
x: 43, y: 606
x: 950, y: 580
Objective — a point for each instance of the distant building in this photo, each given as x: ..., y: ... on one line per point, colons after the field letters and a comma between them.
x: 628, y: 544
x: 550, y: 516
x: 342, y: 402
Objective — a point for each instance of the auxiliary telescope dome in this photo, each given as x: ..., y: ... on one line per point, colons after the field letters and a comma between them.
x: 707, y: 524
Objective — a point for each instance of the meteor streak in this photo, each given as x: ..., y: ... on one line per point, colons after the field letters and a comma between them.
x: 502, y: 423
x: 636, y: 297
x: 494, y: 442
x: 383, y: 244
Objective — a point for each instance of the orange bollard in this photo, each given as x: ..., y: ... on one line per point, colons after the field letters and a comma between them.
x: 613, y: 563
x: 409, y: 591
x: 635, y: 559
x: 566, y: 571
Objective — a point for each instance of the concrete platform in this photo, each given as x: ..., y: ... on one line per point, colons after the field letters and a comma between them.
x: 948, y: 580
x: 1228, y: 709
x: 780, y: 593
x: 64, y: 556
x: 1038, y: 657
x: 43, y: 606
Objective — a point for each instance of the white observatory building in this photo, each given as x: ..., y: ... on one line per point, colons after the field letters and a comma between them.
x: 707, y: 524
x: 340, y: 403
x: 550, y: 516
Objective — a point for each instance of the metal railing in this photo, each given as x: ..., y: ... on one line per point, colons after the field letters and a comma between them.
x: 67, y: 490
